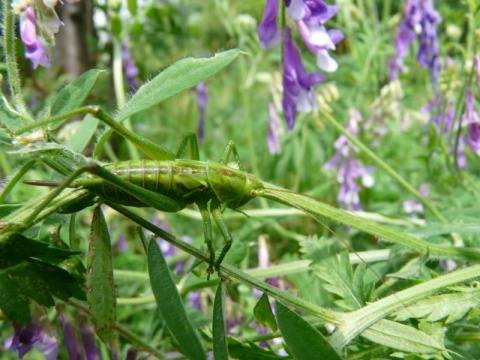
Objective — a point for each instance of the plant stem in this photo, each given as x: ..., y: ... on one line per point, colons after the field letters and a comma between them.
x: 11, y: 62
x: 318, y: 209
x: 118, y: 85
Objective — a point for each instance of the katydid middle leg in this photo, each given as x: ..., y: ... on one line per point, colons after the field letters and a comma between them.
x: 189, y: 138
x: 231, y: 149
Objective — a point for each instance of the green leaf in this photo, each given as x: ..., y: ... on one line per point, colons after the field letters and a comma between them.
x: 451, y: 306
x: 18, y: 248
x: 219, y: 330
x: 84, y: 133
x: 72, y: 96
x: 32, y: 279
x: 263, y: 313
x: 341, y: 280
x: 402, y: 337
x: 101, y: 292
x: 178, y: 77
x: 170, y: 304
x: 435, y: 229
x: 303, y: 340
x: 251, y: 351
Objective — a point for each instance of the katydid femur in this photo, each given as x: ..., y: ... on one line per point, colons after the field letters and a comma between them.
x: 168, y: 183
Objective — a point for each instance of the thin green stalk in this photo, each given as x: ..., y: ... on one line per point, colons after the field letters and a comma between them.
x: 301, y: 156
x: 321, y: 210
x: 14, y: 180
x: 11, y: 62
x: 382, y: 164
x: 119, y: 87
x: 21, y: 219
x: 149, y: 148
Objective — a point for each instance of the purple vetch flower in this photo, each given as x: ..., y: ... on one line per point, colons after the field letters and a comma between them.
x: 131, y: 70
x: 472, y: 119
x: 421, y: 19
x: 275, y: 130
x: 122, y: 243
x: 298, y: 94
x: 196, y: 301
x: 439, y: 115
x: 33, y: 335
x: 89, y: 340
x: 310, y: 23
x: 72, y: 343
x: 202, y: 98
x: 268, y: 32
x: 34, y: 50
x: 349, y: 168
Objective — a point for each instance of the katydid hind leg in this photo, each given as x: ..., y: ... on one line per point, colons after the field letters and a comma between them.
x: 150, y: 198
x: 189, y: 138
x: 207, y: 231
x: 231, y: 149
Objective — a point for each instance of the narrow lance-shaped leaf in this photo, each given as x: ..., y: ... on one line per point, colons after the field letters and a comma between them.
x: 101, y: 293
x: 304, y: 341
x: 178, y: 77
x: 171, y: 306
x: 402, y: 337
x: 219, y: 330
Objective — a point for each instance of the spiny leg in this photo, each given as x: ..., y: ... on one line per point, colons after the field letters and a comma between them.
x: 231, y: 149
x: 207, y: 231
x: 192, y: 139
x: 150, y: 198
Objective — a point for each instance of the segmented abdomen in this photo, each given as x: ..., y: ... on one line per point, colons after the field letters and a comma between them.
x: 181, y: 180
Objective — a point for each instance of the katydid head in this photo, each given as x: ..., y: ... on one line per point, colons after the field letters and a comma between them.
x: 252, y: 184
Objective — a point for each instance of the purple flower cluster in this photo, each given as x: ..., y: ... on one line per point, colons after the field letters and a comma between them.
x: 49, y: 24
x: 33, y: 335
x: 421, y: 20
x: 34, y: 50
x: 310, y: 17
x: 349, y: 168
x: 131, y: 70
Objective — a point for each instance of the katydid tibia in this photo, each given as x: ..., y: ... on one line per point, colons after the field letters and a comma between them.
x: 169, y: 184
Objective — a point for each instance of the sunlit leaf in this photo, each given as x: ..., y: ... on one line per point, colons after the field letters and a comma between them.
x: 170, y: 304
x: 303, y: 340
